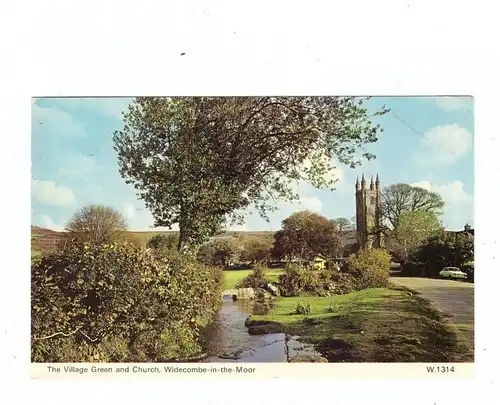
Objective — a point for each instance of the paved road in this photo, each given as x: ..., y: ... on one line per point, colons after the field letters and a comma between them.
x: 454, y: 298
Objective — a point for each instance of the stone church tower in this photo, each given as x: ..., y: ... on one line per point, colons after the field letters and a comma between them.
x: 368, y: 216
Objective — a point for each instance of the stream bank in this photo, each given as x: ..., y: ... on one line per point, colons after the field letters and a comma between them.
x: 228, y: 340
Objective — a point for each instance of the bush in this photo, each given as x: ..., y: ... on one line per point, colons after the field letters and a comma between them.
x: 117, y: 303
x: 298, y: 280
x: 365, y: 269
x: 302, y: 308
x: 369, y: 268
x: 254, y: 280
x: 342, y: 283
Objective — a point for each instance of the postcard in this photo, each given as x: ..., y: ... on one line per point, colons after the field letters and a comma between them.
x: 223, y: 236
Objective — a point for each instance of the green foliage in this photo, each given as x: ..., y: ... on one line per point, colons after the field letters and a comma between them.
x: 302, y: 308
x: 196, y: 160
x: 256, y: 279
x: 298, y: 280
x: 117, y: 303
x: 305, y: 234
x: 445, y: 249
x: 369, y: 268
x: 413, y: 228
x: 94, y: 224
x: 219, y: 252
x: 366, y: 269
x: 400, y: 198
x: 256, y: 249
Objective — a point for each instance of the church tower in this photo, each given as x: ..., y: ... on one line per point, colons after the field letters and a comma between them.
x: 368, y: 217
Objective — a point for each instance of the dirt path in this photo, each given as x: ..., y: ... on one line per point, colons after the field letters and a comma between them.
x: 454, y: 298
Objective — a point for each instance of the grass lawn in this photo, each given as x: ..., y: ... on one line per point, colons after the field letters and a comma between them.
x: 375, y: 325
x: 232, y: 277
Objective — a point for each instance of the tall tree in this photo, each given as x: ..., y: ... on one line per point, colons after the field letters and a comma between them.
x: 414, y: 227
x: 397, y: 199
x: 305, y: 234
x: 97, y: 224
x: 194, y: 161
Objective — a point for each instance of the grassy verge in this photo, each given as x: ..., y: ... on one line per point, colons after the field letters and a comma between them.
x: 232, y: 277
x: 375, y: 325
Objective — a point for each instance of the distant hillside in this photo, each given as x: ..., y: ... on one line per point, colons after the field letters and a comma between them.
x: 45, y: 240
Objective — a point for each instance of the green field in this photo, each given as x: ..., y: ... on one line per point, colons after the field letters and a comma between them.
x: 375, y: 325
x: 232, y: 277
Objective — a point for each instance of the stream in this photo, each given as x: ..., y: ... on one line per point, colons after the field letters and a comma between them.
x: 227, y: 339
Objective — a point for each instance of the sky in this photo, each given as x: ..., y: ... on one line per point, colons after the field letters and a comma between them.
x: 427, y: 142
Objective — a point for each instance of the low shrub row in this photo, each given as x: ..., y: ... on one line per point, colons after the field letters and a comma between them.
x: 119, y: 303
x: 365, y: 269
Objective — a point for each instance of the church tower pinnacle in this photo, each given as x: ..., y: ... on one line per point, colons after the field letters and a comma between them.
x: 368, y: 216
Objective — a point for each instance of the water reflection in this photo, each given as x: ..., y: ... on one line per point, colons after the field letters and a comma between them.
x: 228, y: 340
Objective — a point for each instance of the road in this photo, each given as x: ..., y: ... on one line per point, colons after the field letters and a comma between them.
x: 454, y: 298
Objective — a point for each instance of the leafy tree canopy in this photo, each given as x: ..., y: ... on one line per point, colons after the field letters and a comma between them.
x: 445, y: 249
x: 195, y: 161
x: 305, y: 234
x: 414, y: 227
x: 256, y: 249
x: 397, y: 199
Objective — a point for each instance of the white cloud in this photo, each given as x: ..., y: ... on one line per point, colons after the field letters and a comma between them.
x: 46, y: 222
x: 452, y: 192
x: 455, y: 103
x: 47, y: 192
x: 444, y: 144
x: 459, y: 205
x: 310, y: 203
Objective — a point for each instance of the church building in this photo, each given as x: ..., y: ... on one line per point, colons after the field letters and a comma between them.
x: 368, y: 214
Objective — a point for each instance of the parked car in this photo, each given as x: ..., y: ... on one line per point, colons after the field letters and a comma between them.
x: 452, y: 272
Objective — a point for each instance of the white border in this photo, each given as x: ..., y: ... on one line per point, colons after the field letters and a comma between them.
x: 128, y: 48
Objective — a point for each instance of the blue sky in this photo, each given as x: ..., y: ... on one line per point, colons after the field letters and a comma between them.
x: 426, y: 141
